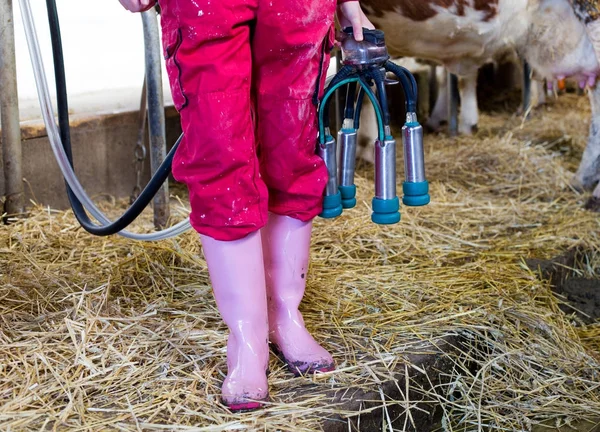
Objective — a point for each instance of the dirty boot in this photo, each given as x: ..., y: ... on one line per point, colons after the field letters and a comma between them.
x: 236, y: 271
x: 286, y: 246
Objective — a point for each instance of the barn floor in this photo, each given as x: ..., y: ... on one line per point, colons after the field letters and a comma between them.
x: 471, y: 297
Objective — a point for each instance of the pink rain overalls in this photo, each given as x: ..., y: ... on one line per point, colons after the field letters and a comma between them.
x: 247, y: 98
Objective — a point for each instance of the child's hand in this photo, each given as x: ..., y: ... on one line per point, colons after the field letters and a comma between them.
x: 350, y: 14
x: 137, y: 5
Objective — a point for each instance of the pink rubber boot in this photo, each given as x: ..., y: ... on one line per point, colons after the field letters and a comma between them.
x: 237, y: 275
x: 286, y: 245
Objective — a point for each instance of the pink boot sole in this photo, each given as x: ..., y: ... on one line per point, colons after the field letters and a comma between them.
x: 236, y: 407
x: 244, y: 407
x: 300, y: 368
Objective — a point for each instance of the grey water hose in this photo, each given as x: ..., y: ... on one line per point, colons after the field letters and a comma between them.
x: 56, y: 143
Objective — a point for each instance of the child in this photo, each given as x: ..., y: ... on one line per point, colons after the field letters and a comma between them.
x: 246, y: 76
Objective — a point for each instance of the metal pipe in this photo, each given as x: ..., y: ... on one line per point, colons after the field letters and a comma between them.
x: 328, y: 153
x: 414, y: 159
x: 347, y: 142
x: 385, y: 169
x: 415, y: 187
x: 156, y: 112
x: 140, y: 151
x: 9, y: 114
x: 332, y: 201
x: 386, y: 204
x: 452, y: 104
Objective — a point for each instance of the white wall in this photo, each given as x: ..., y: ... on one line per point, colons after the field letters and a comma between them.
x: 104, y: 57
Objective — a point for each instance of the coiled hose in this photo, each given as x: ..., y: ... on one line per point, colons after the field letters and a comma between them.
x: 60, y: 141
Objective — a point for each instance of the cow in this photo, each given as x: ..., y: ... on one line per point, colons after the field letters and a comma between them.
x: 558, y: 38
x: 469, y: 113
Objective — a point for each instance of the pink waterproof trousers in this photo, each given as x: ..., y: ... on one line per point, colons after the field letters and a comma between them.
x: 245, y: 76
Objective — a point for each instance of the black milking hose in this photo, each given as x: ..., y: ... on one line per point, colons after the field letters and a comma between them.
x: 409, y: 84
x: 379, y: 77
x: 153, y: 185
x: 358, y: 109
x: 350, y: 97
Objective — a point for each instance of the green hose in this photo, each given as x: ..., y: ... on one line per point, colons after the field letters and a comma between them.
x: 367, y: 91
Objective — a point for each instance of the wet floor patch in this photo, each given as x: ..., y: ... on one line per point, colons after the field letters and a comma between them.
x: 575, y: 278
x: 576, y: 426
x: 405, y: 401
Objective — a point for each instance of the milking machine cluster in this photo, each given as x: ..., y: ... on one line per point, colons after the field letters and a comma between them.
x: 366, y: 64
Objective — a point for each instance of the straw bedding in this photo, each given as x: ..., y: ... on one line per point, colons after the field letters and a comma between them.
x: 110, y: 334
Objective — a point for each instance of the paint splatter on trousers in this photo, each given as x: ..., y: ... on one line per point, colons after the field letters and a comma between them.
x: 245, y: 75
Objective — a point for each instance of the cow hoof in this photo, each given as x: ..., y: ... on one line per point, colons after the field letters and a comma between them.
x: 434, y: 126
x: 430, y: 129
x: 577, y: 186
x: 593, y: 204
x: 527, y: 114
x: 584, y: 184
x: 468, y: 130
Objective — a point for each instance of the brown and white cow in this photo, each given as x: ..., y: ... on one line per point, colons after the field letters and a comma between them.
x: 469, y: 110
x: 558, y: 38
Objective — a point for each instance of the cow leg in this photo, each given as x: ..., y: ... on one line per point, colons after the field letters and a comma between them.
x: 469, y: 112
x: 537, y: 96
x: 434, y: 87
x: 538, y: 93
x: 593, y: 203
x: 588, y: 173
x: 367, y: 132
x: 439, y: 115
